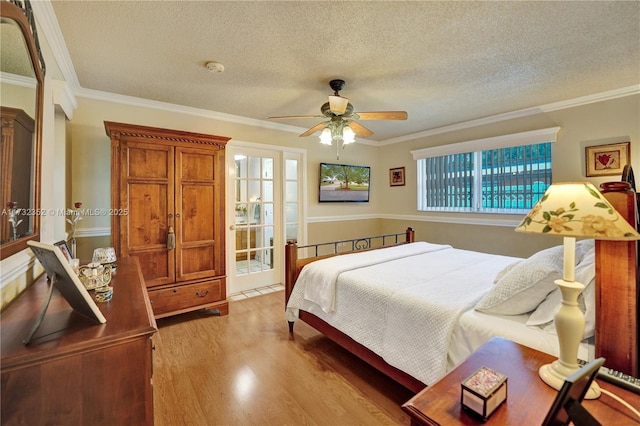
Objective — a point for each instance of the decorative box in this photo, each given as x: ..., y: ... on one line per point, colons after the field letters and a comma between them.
x: 484, y: 391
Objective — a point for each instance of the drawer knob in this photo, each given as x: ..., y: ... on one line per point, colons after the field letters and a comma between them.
x: 202, y: 295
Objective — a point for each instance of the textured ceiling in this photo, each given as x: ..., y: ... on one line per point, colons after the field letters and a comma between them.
x: 442, y: 62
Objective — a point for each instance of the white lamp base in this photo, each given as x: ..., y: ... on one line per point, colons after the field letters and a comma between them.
x: 569, y: 322
x: 555, y: 374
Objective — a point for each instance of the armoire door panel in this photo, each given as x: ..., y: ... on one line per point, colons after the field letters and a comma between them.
x: 198, y: 213
x: 154, y: 265
x: 149, y: 162
x: 197, y: 262
x: 148, y: 218
x: 197, y: 166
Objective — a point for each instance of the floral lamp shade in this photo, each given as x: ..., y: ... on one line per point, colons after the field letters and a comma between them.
x: 577, y: 210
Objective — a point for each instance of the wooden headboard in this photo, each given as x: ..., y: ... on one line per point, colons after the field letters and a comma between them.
x: 617, y: 287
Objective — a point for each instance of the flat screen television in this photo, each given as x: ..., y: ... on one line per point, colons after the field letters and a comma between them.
x: 342, y: 183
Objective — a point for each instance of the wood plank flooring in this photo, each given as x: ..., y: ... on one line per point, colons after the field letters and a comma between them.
x: 246, y: 369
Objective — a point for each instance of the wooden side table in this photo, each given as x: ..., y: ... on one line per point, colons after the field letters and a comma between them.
x: 528, y: 397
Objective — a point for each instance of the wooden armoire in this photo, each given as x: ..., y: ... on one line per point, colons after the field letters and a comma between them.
x: 16, y: 168
x: 168, y: 209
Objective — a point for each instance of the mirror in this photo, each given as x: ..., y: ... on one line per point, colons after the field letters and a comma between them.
x: 21, y: 79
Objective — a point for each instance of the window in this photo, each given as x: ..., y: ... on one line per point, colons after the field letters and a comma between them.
x: 499, y: 179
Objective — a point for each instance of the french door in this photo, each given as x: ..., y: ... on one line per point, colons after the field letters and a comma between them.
x: 260, y: 214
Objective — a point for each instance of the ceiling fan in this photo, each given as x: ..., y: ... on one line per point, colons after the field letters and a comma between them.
x: 342, y: 123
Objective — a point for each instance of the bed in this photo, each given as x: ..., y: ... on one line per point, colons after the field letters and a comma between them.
x: 408, y: 307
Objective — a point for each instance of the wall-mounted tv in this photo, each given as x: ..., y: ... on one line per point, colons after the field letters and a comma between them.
x: 344, y: 183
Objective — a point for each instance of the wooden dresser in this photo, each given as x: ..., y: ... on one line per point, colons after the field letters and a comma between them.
x: 167, y: 195
x: 76, y: 371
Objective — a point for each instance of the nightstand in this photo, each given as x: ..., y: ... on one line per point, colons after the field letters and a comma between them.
x: 528, y: 397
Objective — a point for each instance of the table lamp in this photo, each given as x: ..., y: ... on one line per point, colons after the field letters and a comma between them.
x: 570, y: 210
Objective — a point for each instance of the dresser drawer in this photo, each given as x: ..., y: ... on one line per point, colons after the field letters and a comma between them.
x: 186, y: 297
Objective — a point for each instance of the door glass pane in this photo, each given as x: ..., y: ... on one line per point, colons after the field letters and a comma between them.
x: 267, y: 190
x: 268, y: 213
x: 267, y: 236
x: 291, y: 212
x: 256, y: 235
x: 292, y: 191
x: 266, y: 255
x: 256, y: 213
x: 241, y: 213
x: 291, y: 169
x: 254, y: 190
x: 254, y: 167
x: 292, y: 232
x: 267, y: 168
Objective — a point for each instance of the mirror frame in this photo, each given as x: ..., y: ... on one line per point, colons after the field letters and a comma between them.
x: 23, y: 16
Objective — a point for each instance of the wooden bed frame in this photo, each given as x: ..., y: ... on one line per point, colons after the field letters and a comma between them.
x: 616, y: 335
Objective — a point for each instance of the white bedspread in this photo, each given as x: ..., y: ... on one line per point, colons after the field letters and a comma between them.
x: 405, y: 309
x: 322, y: 275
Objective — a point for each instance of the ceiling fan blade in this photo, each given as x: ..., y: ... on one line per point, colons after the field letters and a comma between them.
x: 296, y: 116
x: 338, y: 104
x: 360, y: 130
x: 383, y: 115
x: 314, y: 129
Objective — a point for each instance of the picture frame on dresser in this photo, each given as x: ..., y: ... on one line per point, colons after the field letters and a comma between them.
x: 66, y: 281
x: 64, y: 248
x: 567, y: 405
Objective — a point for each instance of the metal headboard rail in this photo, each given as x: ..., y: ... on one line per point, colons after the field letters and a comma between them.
x: 358, y: 244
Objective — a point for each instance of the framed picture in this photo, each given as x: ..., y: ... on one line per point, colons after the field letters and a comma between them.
x: 64, y: 248
x: 607, y: 160
x: 396, y: 176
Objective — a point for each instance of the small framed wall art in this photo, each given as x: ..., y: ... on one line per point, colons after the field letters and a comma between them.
x: 607, y: 160
x: 396, y: 176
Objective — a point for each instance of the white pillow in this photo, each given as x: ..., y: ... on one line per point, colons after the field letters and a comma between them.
x: 585, y: 273
x: 504, y: 271
x: 582, y: 248
x: 525, y: 285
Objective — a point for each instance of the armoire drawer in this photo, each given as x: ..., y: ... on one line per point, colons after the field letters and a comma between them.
x: 186, y: 296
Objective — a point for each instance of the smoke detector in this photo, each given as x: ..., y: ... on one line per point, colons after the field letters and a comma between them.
x: 215, y: 67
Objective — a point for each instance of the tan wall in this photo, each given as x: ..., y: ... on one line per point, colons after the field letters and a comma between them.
x: 86, y: 245
x: 320, y: 232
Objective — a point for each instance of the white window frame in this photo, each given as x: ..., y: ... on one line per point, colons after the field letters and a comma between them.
x: 477, y: 146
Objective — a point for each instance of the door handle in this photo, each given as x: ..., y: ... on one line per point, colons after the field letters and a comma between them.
x: 232, y: 227
x: 171, y: 239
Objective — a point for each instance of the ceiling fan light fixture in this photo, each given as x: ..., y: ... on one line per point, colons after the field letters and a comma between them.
x: 338, y: 104
x: 326, y: 136
x: 348, y: 136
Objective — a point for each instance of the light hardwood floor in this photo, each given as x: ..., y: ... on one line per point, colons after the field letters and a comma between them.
x: 246, y: 369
